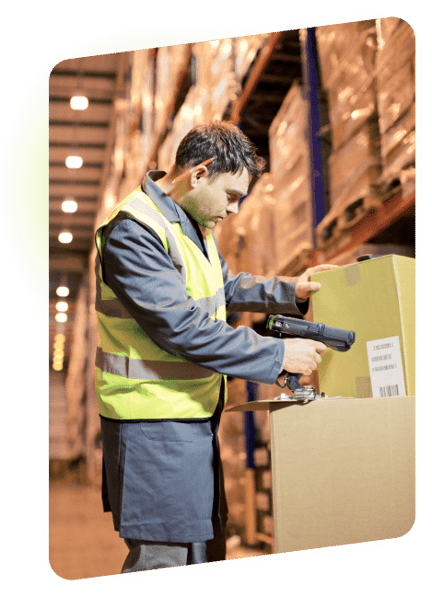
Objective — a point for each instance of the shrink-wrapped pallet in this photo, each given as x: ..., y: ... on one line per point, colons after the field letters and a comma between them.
x: 396, y: 103
x: 290, y: 166
x: 189, y: 115
x: 171, y: 63
x: 215, y: 76
x: 141, y: 139
x: 293, y: 221
x: 398, y: 154
x: 354, y: 169
x: 254, y: 229
x: 289, y: 134
x: 333, y: 41
x: 246, y: 49
x: 348, y: 57
x: 396, y: 48
x: 141, y: 142
x: 351, y: 90
x: 396, y: 97
x: 354, y: 179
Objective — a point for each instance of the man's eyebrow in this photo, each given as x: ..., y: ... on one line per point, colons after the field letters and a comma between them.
x: 239, y: 194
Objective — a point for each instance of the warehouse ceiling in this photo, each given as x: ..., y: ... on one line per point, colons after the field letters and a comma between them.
x: 88, y: 134
x: 273, y: 81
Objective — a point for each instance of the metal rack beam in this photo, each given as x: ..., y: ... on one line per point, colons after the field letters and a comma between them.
x: 254, y: 76
x: 370, y: 225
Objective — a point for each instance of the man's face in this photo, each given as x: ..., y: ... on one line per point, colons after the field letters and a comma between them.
x: 210, y: 201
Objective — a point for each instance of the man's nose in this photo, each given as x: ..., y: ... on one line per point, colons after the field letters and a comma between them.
x: 233, y: 208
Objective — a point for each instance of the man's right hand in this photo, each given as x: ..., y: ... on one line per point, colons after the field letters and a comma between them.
x: 302, y: 355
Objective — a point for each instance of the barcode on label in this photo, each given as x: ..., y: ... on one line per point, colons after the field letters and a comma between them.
x: 390, y: 390
x: 382, y: 357
x: 383, y: 368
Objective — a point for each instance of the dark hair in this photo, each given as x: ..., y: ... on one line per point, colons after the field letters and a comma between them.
x: 225, y: 143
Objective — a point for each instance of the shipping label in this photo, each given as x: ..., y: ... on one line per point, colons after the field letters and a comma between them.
x: 385, y: 367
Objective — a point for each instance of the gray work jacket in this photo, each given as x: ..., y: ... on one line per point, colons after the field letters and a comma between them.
x: 163, y: 479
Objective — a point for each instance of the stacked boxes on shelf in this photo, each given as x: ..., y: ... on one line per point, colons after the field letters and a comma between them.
x: 207, y: 99
x: 141, y: 118
x: 218, y: 67
x: 246, y: 239
x: 171, y: 64
x: 228, y: 242
x: 254, y: 229
x: 355, y: 161
x: 215, y: 76
x: 246, y: 49
x: 333, y: 41
x: 351, y: 86
x: 396, y: 103
x: 290, y: 166
x: 188, y: 116
x: 221, y: 66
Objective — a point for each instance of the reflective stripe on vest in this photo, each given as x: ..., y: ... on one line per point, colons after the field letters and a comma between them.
x: 135, y: 379
x: 148, y: 370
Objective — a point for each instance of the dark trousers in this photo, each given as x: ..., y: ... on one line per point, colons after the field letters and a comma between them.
x: 149, y: 555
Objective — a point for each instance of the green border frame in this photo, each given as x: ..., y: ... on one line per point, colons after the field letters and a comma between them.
x: 24, y: 211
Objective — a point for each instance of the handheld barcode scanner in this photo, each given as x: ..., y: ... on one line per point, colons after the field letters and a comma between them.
x: 335, y: 338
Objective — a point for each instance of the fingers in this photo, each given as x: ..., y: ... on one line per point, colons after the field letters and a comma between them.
x: 320, y: 268
x: 303, y: 355
x: 304, y: 286
x: 320, y: 347
x: 308, y: 286
x: 303, y: 289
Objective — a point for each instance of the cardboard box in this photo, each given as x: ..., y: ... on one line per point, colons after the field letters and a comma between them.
x: 375, y: 299
x: 343, y: 471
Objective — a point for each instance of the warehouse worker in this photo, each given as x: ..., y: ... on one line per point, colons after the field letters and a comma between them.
x: 166, y: 349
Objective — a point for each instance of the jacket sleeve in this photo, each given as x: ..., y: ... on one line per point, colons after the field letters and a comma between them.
x: 246, y: 292
x: 141, y: 274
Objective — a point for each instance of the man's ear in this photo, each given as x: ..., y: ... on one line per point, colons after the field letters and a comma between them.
x: 199, y: 175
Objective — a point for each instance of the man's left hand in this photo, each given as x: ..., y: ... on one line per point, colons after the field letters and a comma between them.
x: 304, y: 285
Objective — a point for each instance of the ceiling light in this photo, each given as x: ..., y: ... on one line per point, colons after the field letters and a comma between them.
x: 61, y: 317
x: 57, y: 366
x: 62, y: 291
x: 69, y: 206
x: 65, y: 237
x: 79, y: 102
x: 59, y: 337
x: 62, y: 306
x: 74, y: 161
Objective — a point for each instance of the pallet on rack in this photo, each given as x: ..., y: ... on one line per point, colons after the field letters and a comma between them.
x: 341, y: 218
x: 295, y: 263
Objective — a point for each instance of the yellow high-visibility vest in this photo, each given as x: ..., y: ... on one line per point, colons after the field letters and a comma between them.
x: 135, y: 379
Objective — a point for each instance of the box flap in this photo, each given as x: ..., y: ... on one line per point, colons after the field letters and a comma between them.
x: 271, y: 405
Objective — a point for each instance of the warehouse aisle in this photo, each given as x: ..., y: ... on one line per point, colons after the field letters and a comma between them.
x: 82, y: 541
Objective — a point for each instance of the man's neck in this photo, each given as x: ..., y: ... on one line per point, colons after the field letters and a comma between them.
x: 165, y: 184
x: 175, y: 193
